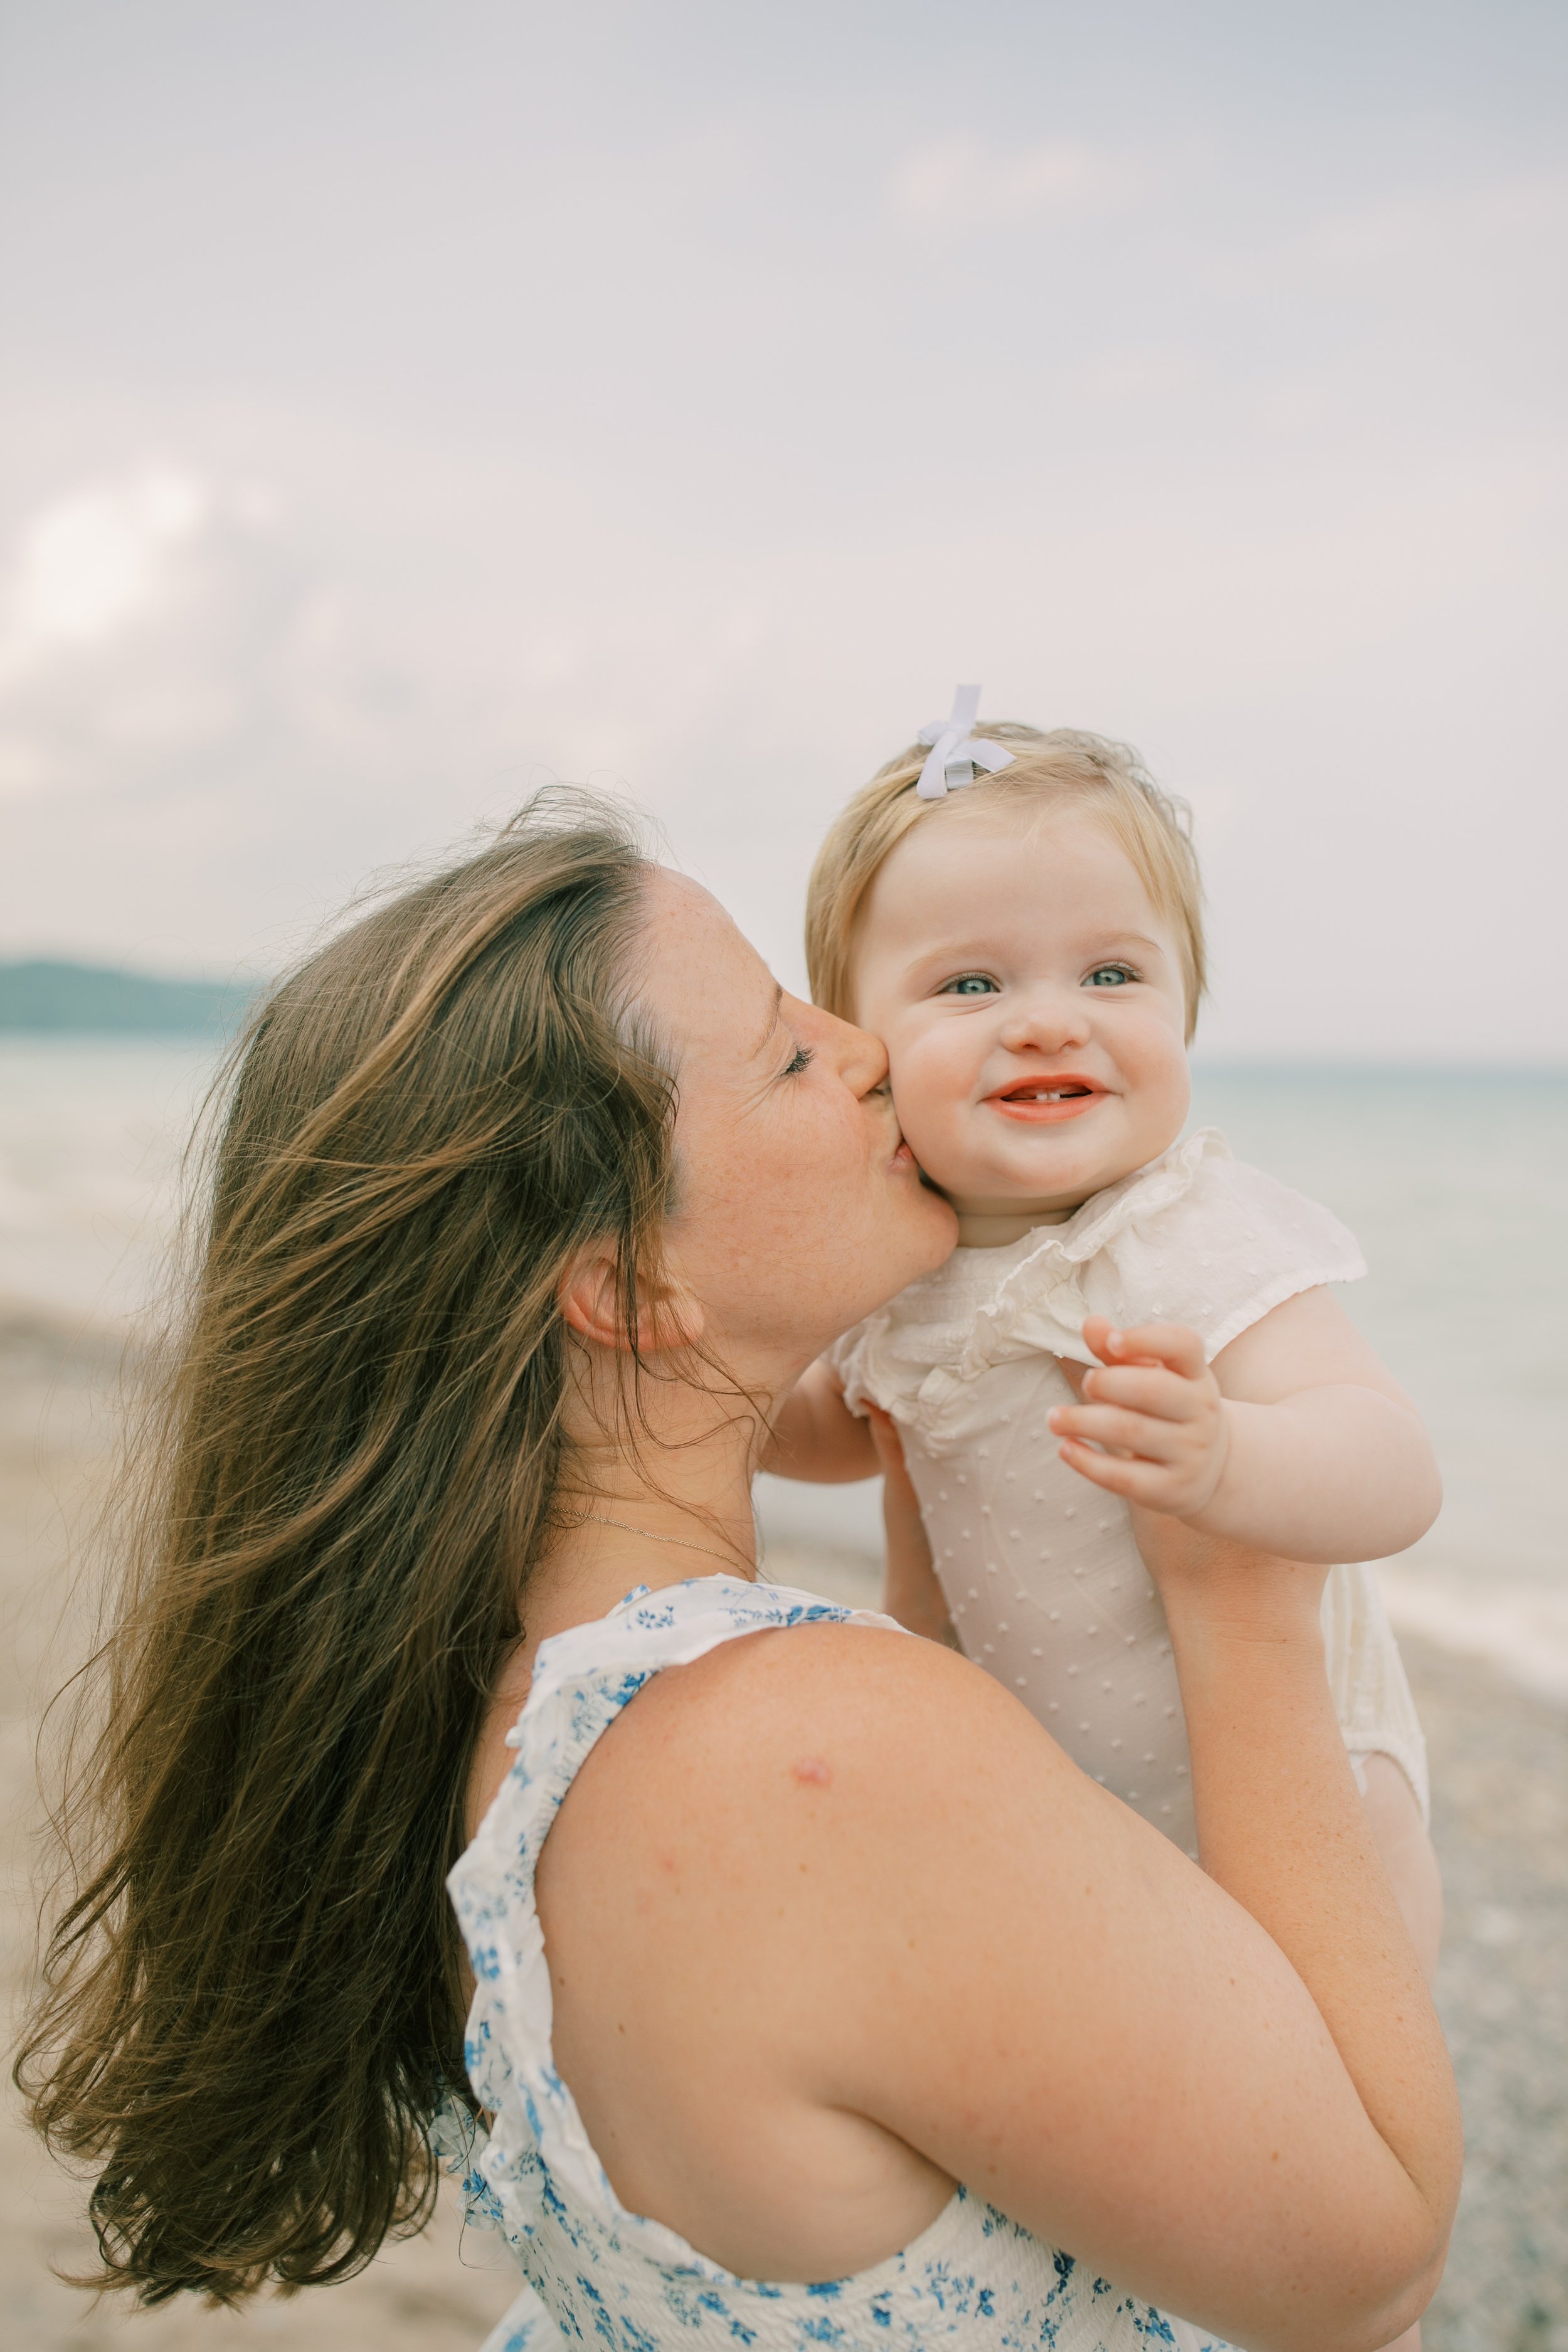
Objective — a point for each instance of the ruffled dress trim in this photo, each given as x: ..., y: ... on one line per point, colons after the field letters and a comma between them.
x: 1196, y: 1237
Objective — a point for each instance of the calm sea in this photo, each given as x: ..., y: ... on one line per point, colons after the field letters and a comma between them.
x: 1456, y: 1184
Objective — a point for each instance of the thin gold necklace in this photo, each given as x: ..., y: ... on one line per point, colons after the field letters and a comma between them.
x: 603, y: 1519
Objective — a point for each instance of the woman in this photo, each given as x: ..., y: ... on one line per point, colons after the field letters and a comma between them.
x: 534, y: 1197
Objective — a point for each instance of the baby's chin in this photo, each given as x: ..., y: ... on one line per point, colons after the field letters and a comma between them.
x: 996, y: 1185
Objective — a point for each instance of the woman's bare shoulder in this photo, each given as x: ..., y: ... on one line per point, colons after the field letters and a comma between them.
x: 851, y: 1742
x: 743, y: 1710
x: 806, y: 1800
x: 866, y: 1693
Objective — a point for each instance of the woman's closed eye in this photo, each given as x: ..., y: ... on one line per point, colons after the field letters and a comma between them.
x: 800, y: 1059
x: 1109, y: 975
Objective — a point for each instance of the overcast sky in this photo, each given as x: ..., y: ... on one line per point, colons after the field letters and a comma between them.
x: 407, y: 402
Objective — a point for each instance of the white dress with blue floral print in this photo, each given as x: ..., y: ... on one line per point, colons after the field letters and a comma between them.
x: 599, y: 2276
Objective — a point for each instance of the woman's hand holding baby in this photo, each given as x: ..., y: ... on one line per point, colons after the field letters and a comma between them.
x: 1155, y: 1409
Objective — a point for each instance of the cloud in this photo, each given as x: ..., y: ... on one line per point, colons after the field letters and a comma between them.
x: 211, y: 727
x: 964, y: 183
x: 87, y: 563
x: 168, y: 641
x: 1512, y: 221
x: 147, y: 621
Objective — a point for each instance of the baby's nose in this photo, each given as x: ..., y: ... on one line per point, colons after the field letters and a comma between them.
x: 1044, y: 1024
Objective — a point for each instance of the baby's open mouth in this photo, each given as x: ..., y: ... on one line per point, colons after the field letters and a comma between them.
x: 1046, y: 1098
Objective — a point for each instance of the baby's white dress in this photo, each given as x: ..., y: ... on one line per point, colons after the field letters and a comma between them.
x: 598, y: 2275
x: 1045, y: 1584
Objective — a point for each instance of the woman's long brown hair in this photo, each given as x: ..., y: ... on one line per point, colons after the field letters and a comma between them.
x: 251, y: 2002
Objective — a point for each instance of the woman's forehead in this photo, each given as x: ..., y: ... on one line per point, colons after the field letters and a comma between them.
x: 681, y: 917
x: 702, y: 979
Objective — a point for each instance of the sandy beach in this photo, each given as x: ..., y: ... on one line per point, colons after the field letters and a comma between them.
x: 1500, y: 1767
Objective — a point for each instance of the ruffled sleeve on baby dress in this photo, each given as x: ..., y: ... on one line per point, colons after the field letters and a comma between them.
x: 1195, y: 1237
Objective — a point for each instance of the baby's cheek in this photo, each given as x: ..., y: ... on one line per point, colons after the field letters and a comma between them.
x: 1160, y: 1097
x: 1152, y: 1049
x: 933, y: 1116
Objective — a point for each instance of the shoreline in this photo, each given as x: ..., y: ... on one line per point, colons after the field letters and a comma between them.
x: 1520, y: 1630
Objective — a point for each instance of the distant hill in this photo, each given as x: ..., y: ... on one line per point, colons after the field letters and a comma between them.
x: 45, y: 998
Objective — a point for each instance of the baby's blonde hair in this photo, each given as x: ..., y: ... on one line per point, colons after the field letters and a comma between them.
x: 1108, y: 779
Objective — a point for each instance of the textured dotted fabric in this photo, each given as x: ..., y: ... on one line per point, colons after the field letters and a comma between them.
x: 600, y: 2276
x: 1045, y: 1584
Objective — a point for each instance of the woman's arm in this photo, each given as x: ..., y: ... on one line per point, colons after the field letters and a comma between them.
x: 1226, y: 2090
x: 1295, y: 1438
x: 853, y: 1911
x: 1248, y: 1648
x: 816, y: 1436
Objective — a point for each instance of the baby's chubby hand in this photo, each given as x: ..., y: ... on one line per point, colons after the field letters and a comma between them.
x: 1154, y: 1407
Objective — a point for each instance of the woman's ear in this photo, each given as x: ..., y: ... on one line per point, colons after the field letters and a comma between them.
x: 594, y: 1304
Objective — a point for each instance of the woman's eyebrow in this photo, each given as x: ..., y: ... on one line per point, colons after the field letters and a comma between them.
x: 772, y: 1021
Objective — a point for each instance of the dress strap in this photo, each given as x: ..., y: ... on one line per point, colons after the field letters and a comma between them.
x: 581, y: 1680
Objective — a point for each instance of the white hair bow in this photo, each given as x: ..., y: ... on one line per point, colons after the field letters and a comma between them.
x: 955, y: 754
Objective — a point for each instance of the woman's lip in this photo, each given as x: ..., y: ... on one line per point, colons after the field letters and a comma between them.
x: 1034, y: 1113
x: 903, y: 1156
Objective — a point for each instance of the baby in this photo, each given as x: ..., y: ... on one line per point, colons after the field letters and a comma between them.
x: 1017, y: 916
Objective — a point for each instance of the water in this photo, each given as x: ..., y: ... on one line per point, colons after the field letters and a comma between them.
x: 1454, y: 1183
x: 1458, y: 1191
x: 91, y: 1135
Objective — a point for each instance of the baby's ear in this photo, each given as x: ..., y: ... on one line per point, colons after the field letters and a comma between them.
x: 592, y: 1302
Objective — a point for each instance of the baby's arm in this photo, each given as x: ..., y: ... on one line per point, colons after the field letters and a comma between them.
x: 816, y: 1436
x: 1295, y: 1440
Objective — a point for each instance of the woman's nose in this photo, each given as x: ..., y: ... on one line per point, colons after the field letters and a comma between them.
x: 861, y: 1060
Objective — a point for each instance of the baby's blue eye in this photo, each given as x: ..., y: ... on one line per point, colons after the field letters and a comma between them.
x: 1109, y: 975
x: 970, y: 984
